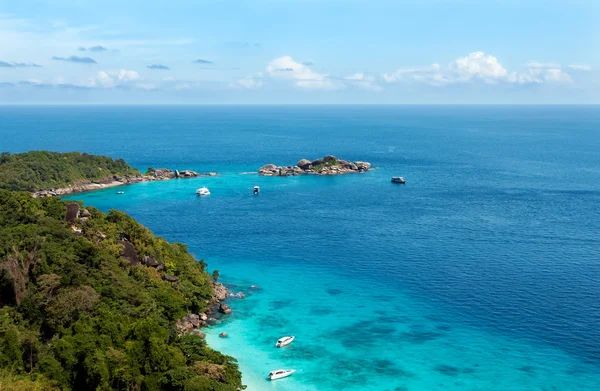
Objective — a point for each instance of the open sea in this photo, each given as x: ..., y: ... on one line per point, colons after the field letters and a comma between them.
x: 481, y: 273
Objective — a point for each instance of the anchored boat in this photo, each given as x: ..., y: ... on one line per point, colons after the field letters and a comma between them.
x: 203, y: 191
x: 284, y: 341
x: 256, y: 190
x: 398, y: 179
x: 280, y: 373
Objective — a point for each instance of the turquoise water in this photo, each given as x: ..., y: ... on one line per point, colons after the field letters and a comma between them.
x: 481, y: 273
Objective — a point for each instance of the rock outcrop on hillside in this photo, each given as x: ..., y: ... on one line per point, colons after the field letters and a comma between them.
x: 329, y: 165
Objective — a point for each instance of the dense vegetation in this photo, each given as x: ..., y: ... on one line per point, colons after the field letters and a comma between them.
x: 42, y: 170
x: 76, y: 315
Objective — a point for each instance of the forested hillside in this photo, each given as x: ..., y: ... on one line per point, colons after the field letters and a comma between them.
x: 91, y: 304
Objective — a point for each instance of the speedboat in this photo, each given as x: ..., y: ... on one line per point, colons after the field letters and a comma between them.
x: 280, y: 373
x: 398, y: 179
x: 120, y: 192
x: 281, y: 342
x: 256, y: 190
x: 203, y: 191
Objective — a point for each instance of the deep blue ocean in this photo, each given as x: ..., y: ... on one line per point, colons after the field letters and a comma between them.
x: 481, y: 273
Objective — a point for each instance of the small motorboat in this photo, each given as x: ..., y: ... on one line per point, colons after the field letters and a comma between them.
x: 281, y: 342
x: 256, y: 190
x: 280, y: 373
x: 203, y: 191
x: 398, y: 179
x: 120, y: 192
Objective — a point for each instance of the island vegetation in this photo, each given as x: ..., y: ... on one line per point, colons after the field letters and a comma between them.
x: 41, y: 170
x: 90, y: 301
x: 47, y: 174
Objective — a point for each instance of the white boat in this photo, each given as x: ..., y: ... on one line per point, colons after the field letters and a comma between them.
x: 280, y: 373
x: 284, y: 341
x: 398, y: 179
x: 120, y: 192
x: 203, y: 191
x: 256, y: 190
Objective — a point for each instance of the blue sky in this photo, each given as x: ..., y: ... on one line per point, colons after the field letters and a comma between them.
x: 292, y: 51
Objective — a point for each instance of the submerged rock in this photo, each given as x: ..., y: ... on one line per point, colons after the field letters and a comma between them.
x: 223, y: 335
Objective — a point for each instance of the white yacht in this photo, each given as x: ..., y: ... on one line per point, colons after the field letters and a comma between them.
x: 284, y: 341
x: 203, y: 191
x: 280, y: 373
x: 256, y: 190
x: 398, y: 179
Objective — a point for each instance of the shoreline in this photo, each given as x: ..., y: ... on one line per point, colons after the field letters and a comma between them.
x: 157, y: 175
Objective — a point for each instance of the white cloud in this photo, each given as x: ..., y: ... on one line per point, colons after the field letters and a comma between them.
x: 363, y: 81
x: 356, y: 76
x: 478, y: 65
x: 249, y: 83
x: 537, y: 64
x: 557, y: 75
x: 532, y: 76
x: 285, y: 68
x: 112, y: 79
x: 430, y: 74
x: 580, y: 67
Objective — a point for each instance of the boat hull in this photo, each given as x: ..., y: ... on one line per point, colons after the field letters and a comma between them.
x: 281, y: 376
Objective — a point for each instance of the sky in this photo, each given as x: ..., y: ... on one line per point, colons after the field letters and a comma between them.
x: 299, y: 52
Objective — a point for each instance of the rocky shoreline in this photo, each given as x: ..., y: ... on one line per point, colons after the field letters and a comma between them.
x: 192, y: 323
x: 329, y: 165
x: 160, y: 174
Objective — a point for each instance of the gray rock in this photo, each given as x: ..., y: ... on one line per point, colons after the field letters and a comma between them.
x: 129, y: 252
x: 85, y: 213
x: 193, y: 319
x: 304, y: 164
x: 223, y: 335
x: 170, y: 278
x: 224, y: 309
x: 363, y: 165
x: 150, y: 261
x: 198, y: 333
x: 72, y: 212
x: 220, y: 292
x: 330, y: 159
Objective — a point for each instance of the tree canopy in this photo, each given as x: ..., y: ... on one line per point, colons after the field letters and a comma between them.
x: 43, y: 170
x: 76, y: 315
